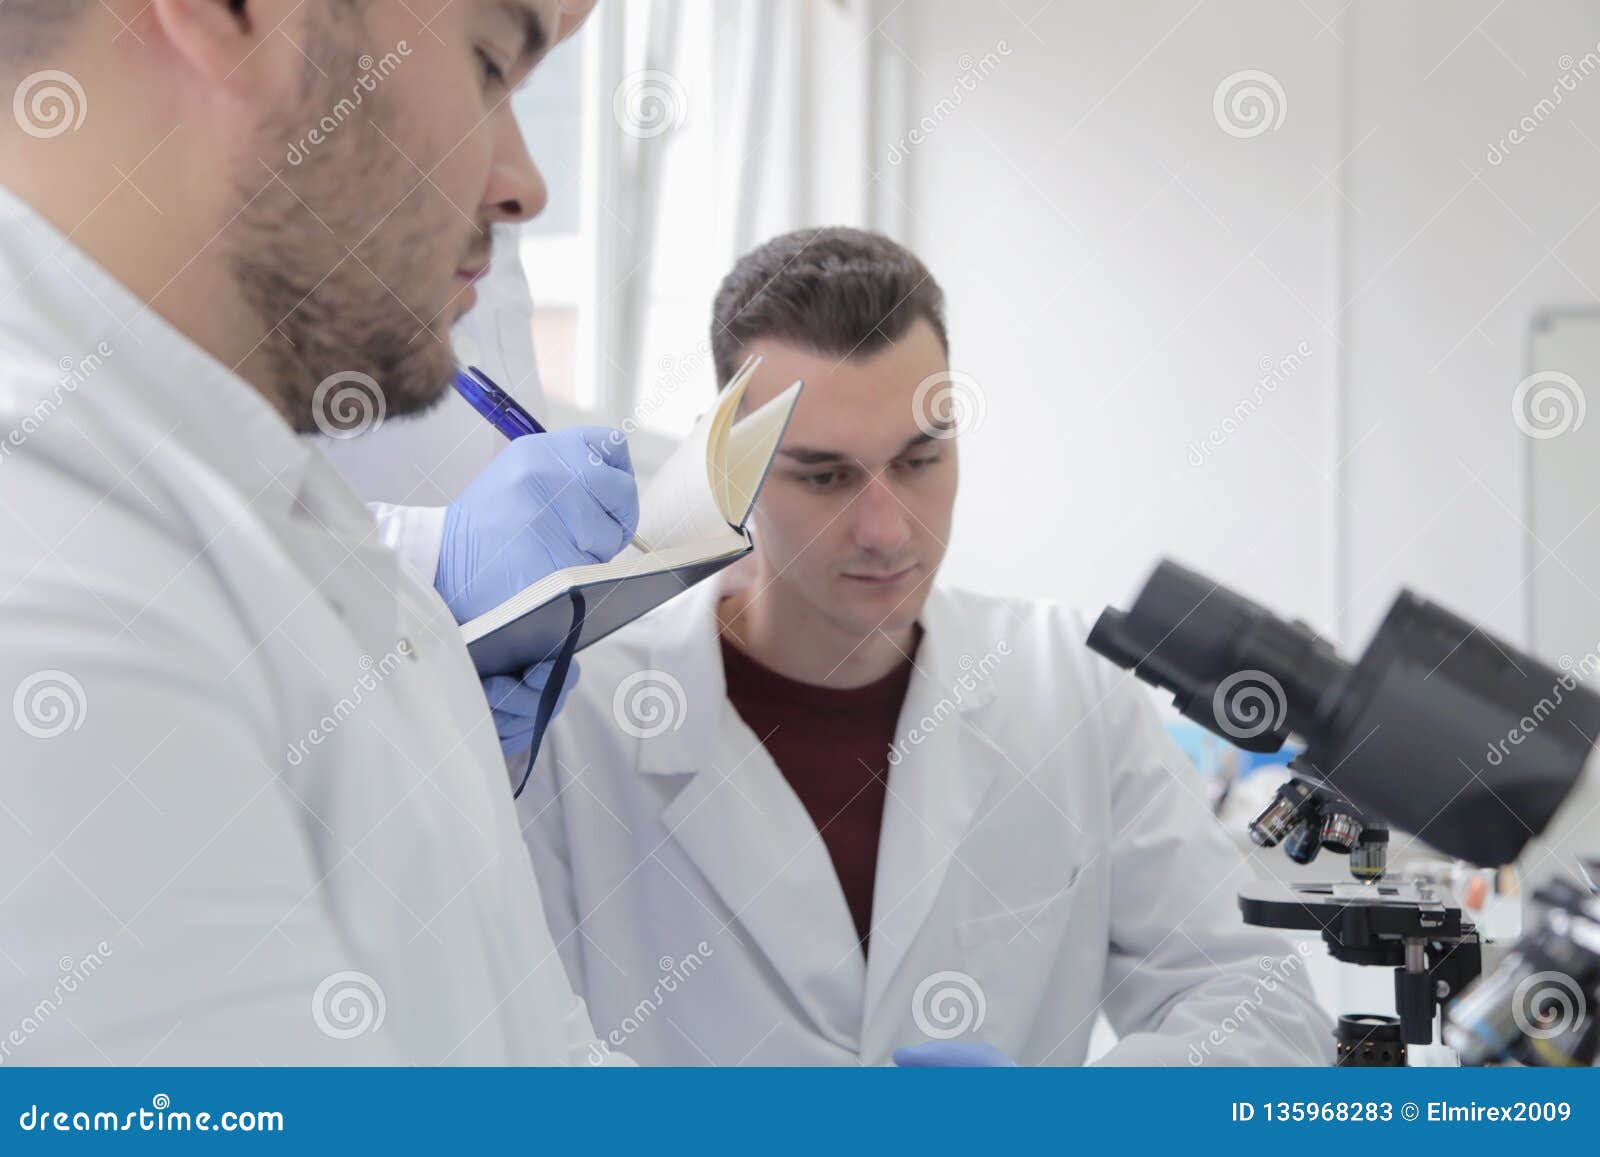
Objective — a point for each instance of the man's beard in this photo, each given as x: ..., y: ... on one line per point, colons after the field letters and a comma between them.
x: 330, y: 264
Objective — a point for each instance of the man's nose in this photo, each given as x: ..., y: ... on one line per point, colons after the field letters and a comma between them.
x: 516, y: 191
x: 880, y: 522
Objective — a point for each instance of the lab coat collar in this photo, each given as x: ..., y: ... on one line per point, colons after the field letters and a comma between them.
x: 61, y: 305
x: 944, y: 767
x: 687, y: 647
x: 154, y: 386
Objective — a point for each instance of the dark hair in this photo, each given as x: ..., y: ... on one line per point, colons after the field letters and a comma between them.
x: 833, y: 290
x: 29, y: 27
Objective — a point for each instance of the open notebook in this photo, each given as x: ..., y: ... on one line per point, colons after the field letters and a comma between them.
x: 692, y: 515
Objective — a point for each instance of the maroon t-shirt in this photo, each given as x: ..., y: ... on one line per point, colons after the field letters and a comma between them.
x: 833, y: 748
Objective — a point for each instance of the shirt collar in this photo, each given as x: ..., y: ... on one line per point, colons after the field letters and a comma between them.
x: 59, y: 306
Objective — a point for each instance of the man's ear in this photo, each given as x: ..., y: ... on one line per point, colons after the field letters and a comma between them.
x: 573, y: 14
x: 217, y: 37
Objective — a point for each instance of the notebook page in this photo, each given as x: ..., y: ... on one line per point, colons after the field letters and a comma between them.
x: 680, y: 505
x: 748, y: 452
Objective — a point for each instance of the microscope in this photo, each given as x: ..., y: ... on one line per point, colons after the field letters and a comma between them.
x: 1472, y: 745
x: 1415, y: 928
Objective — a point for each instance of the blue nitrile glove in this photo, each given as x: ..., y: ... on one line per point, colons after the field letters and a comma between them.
x: 514, y: 703
x: 952, y: 1054
x: 546, y: 502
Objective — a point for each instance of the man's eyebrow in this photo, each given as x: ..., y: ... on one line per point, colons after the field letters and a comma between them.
x: 527, y: 18
x: 808, y: 456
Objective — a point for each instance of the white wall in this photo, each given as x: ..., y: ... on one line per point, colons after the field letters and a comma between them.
x: 1437, y: 343
x: 1119, y: 269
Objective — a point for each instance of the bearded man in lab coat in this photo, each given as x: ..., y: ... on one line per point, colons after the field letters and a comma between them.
x: 250, y: 785
x: 829, y: 808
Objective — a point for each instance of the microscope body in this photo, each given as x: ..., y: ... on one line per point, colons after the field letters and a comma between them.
x: 1481, y: 750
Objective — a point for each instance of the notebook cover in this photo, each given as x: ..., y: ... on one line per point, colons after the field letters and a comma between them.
x: 610, y: 605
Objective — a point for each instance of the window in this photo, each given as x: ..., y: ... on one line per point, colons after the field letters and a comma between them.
x: 672, y: 137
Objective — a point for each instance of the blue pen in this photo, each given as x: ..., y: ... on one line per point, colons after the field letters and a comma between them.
x: 502, y: 412
x: 499, y: 408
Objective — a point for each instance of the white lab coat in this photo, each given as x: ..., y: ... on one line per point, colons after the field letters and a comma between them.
x: 252, y: 808
x: 1044, y: 844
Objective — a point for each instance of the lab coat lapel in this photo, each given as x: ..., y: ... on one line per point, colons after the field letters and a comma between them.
x: 749, y: 835
x: 941, y: 767
x: 331, y: 536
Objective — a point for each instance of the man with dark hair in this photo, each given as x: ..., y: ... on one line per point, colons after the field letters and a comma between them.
x: 844, y: 291
x: 829, y: 809
x: 249, y: 765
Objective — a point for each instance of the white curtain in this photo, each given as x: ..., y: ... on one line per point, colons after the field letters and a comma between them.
x: 791, y: 112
